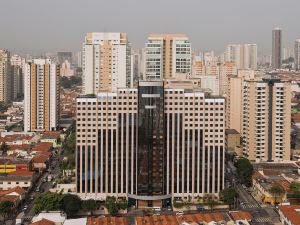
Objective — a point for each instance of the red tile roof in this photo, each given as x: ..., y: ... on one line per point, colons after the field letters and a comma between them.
x: 17, y: 189
x: 43, y: 222
x: 284, y: 184
x: 107, y: 221
x: 40, y: 158
x: 21, y: 173
x: 290, y: 212
x: 241, y: 216
x: 25, y: 147
x: 51, y: 135
x: 42, y: 147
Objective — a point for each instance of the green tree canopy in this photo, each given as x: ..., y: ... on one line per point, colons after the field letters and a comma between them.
x: 48, y: 201
x: 210, y: 201
x: 295, y: 187
x: 4, y: 148
x: 71, y: 204
x: 111, y: 205
x: 89, y: 205
x: 6, y: 208
x: 228, y: 195
x: 122, y: 203
x: 244, y: 171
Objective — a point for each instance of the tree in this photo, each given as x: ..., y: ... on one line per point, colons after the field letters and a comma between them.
x: 277, y: 191
x: 244, y: 171
x: 111, y: 205
x: 6, y: 208
x: 71, y: 204
x: 89, y: 205
x: 295, y: 187
x: 48, y: 201
x: 210, y: 201
x: 228, y: 195
x: 122, y: 203
x: 4, y: 148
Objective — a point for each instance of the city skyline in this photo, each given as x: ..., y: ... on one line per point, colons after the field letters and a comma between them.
x: 66, y: 30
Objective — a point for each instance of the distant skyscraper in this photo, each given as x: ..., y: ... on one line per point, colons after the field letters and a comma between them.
x: 166, y: 55
x: 287, y: 53
x: 41, y: 95
x: 106, y: 62
x: 243, y: 55
x: 297, y: 54
x: 5, y: 76
x: 17, y: 84
x: 276, y: 48
x: 63, y: 56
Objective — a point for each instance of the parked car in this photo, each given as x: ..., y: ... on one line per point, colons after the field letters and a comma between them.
x: 179, y: 213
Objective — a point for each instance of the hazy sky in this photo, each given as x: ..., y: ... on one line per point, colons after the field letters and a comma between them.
x: 53, y: 25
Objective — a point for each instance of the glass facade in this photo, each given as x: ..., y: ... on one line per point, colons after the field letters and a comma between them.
x: 151, y: 152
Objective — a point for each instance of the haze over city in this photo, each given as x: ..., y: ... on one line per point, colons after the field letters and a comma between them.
x: 43, y: 26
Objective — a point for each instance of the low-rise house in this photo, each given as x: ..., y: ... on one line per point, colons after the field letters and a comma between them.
x: 108, y: 221
x: 53, y: 137
x: 15, y: 195
x: 12, y: 164
x: 289, y: 214
x: 43, y: 222
x: 40, y: 161
x: 240, y: 217
x: 262, y: 184
x: 57, y: 217
x: 19, y: 150
x: 23, y: 179
x: 186, y: 219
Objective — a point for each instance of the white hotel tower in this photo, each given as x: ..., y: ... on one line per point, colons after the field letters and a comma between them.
x: 151, y: 144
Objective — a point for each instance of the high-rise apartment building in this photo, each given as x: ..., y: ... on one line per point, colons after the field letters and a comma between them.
x: 167, y: 55
x: 243, y: 55
x: 17, y: 70
x: 261, y: 111
x: 105, y: 62
x: 297, y: 54
x: 276, y: 48
x: 41, y: 95
x: 151, y: 144
x: 5, y: 76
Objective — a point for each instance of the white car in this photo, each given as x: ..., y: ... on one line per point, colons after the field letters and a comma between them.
x: 179, y: 213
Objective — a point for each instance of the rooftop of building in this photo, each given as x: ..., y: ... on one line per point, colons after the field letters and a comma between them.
x: 291, y: 212
x: 108, y: 221
x: 16, y: 189
x: 51, y: 135
x: 239, y: 215
x: 13, y: 160
x: 177, y: 220
x: 231, y: 131
x: 43, y: 222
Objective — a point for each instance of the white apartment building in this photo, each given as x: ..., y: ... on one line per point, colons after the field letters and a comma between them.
x: 41, y: 95
x: 243, y: 55
x: 297, y: 54
x: 150, y: 144
x: 167, y: 55
x: 5, y: 75
x: 105, y: 62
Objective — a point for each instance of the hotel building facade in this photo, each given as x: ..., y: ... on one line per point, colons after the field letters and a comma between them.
x: 151, y: 144
x: 41, y: 95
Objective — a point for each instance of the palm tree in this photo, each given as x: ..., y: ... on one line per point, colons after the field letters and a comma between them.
x: 277, y: 191
x: 4, y: 148
x: 210, y: 201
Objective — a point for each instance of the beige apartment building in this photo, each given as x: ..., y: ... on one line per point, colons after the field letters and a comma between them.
x: 167, y: 55
x: 106, y: 62
x: 260, y: 110
x: 151, y: 144
x: 5, y: 76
